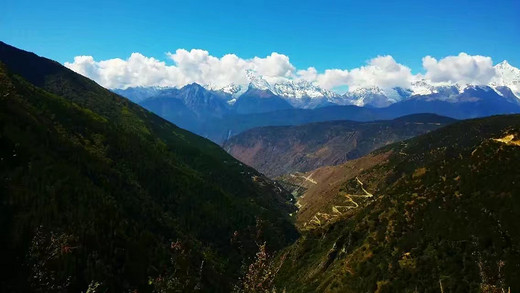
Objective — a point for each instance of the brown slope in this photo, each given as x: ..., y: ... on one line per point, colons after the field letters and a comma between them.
x: 319, y: 190
x: 280, y: 150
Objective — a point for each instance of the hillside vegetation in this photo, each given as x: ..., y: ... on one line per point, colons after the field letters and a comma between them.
x: 436, y: 213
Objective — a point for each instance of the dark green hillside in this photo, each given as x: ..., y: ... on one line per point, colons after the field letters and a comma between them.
x: 443, y: 218
x: 95, y: 189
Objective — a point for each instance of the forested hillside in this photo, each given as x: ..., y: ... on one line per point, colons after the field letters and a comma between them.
x: 98, y: 191
x: 436, y: 213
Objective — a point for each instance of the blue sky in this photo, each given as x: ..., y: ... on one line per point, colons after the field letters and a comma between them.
x: 323, y: 34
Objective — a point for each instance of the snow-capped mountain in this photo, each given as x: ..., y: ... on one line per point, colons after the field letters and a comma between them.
x: 299, y: 93
x: 217, y: 113
x: 301, y: 89
x: 307, y: 95
x: 289, y: 88
x: 236, y: 90
x: 506, y: 83
x: 422, y: 87
x: 304, y: 94
x: 373, y: 97
x: 507, y: 75
x: 231, y: 89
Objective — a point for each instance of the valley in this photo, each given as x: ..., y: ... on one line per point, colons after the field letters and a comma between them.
x: 433, y: 211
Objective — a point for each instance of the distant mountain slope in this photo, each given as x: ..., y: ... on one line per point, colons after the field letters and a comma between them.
x: 259, y: 101
x: 218, y: 115
x: 201, y: 102
x: 233, y: 104
x: 219, y: 130
x: 139, y: 94
x: 175, y: 111
x: 97, y: 190
x: 190, y: 107
x: 279, y: 150
x: 434, y: 213
x: 472, y: 102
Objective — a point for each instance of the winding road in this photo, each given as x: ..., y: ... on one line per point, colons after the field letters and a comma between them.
x: 338, y: 210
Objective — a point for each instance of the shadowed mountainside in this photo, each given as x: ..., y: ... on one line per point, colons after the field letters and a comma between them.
x: 97, y: 190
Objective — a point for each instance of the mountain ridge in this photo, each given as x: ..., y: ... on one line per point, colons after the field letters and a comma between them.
x: 279, y: 150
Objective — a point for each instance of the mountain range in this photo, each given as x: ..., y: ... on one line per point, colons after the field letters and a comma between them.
x: 306, y: 95
x: 209, y: 114
x: 218, y: 114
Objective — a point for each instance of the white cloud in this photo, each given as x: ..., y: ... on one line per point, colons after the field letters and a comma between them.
x: 382, y: 71
x: 462, y: 68
x: 309, y: 74
x: 333, y: 78
x: 189, y: 66
x: 84, y: 65
x: 137, y: 70
x: 275, y: 65
x: 199, y: 66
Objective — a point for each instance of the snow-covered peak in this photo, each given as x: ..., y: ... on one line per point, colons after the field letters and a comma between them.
x: 287, y: 88
x: 304, y: 94
x: 298, y: 89
x: 422, y: 87
x: 231, y: 89
x: 507, y: 75
x: 371, y: 90
x: 504, y: 65
x: 368, y: 96
x: 461, y: 87
x: 236, y: 90
x: 257, y: 81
